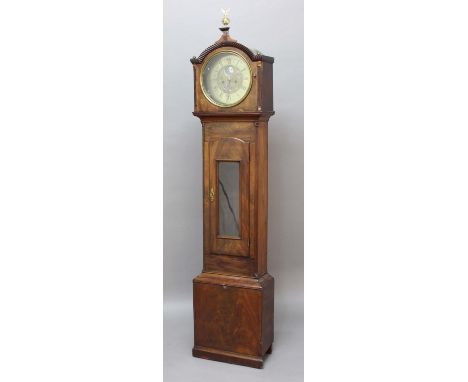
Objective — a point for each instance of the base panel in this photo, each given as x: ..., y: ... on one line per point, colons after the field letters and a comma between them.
x: 229, y: 357
x: 233, y: 318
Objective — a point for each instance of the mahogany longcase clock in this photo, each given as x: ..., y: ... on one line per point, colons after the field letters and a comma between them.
x: 233, y: 296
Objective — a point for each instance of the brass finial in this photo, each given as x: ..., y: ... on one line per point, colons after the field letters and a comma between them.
x: 225, y: 28
x: 225, y: 19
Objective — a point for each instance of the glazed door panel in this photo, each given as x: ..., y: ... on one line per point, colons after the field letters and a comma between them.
x: 229, y: 197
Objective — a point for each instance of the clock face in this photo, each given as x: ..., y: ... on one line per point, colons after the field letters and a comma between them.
x: 226, y: 79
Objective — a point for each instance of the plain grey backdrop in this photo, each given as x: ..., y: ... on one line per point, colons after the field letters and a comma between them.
x: 276, y: 29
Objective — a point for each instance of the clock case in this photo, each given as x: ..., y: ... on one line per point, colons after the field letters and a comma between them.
x: 233, y: 297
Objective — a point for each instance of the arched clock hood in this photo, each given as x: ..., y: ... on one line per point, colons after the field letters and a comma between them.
x: 227, y: 41
x: 257, y: 103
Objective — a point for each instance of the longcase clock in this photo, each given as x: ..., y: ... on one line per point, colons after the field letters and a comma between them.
x: 233, y: 295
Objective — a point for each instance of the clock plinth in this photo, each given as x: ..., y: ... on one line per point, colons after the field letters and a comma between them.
x: 233, y: 318
x: 233, y: 297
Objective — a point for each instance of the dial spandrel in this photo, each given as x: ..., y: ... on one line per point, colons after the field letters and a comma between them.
x: 226, y: 79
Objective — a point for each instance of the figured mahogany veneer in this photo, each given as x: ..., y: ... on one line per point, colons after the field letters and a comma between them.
x: 260, y: 97
x: 233, y: 318
x: 233, y: 297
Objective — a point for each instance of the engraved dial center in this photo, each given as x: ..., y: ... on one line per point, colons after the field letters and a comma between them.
x: 229, y: 79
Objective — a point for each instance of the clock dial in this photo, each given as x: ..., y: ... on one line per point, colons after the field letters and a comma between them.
x: 226, y: 79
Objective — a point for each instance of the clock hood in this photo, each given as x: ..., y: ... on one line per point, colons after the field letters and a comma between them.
x: 257, y: 101
x: 227, y: 40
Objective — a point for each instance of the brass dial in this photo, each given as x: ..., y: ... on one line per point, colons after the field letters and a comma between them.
x: 226, y: 79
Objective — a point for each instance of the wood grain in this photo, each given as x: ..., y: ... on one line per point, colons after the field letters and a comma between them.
x: 233, y: 297
x: 228, y: 357
x: 233, y: 315
x: 237, y: 150
x: 260, y: 97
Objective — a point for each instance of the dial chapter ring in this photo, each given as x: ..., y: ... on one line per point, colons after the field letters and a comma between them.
x: 207, y: 61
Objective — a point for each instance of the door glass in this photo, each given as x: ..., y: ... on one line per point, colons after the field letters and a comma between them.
x: 228, y: 198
